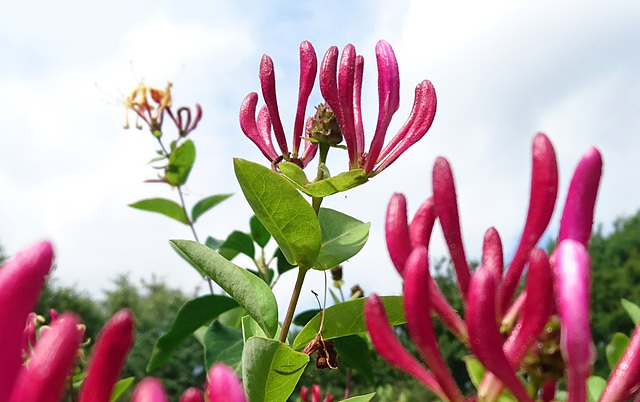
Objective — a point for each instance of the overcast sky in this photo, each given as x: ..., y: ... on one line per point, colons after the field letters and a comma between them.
x: 502, y: 71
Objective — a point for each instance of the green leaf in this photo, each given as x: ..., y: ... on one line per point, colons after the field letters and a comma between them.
x: 162, y: 206
x: 206, y: 204
x: 248, y: 290
x: 213, y: 243
x: 250, y: 328
x: 360, y: 398
x: 180, y: 163
x: 282, y: 263
x: 595, y: 386
x: 475, y: 369
x: 282, y: 210
x: 259, y: 233
x: 342, y: 238
x: 336, y: 184
x: 192, y: 315
x: 336, y: 299
x: 236, y: 243
x: 294, y: 173
x: 270, y: 369
x: 632, y: 310
x: 355, y: 354
x: 223, y: 344
x: 120, y: 387
x: 303, y: 318
x: 347, y: 319
x: 233, y: 317
x: 615, y: 349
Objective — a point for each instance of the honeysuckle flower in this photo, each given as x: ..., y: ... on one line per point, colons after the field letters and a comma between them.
x: 341, y: 88
x: 149, y: 105
x: 182, y: 119
x: 21, y: 279
x: 108, y: 357
x: 43, y: 378
x: 192, y: 394
x: 259, y: 130
x: 150, y: 389
x: 571, y: 271
x: 316, y: 394
x: 223, y: 386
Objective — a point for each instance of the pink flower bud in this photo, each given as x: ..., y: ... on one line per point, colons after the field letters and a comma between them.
x: 261, y: 137
x: 108, y: 357
x: 21, y: 279
x: 422, y: 224
x: 315, y: 393
x: 571, y: 270
x: 492, y: 254
x: 308, y: 70
x: 268, y: 84
x: 223, y: 385
x: 44, y: 378
x: 397, y: 232
x: 150, y: 389
x: 544, y: 190
x: 304, y: 393
x: 192, y: 394
x: 624, y: 381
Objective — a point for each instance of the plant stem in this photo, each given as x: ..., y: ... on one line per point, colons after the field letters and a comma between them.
x: 292, y: 304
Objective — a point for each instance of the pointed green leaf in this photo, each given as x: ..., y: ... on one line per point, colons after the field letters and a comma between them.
x: 632, y: 310
x: 259, y: 233
x: 354, y: 352
x: 250, y: 328
x: 475, y: 369
x: 595, y: 387
x: 223, y: 344
x: 192, y: 315
x: 282, y: 210
x: 206, y: 204
x: 336, y: 184
x: 294, y: 173
x: 360, y: 398
x: 282, y: 263
x: 180, y: 163
x: 270, y: 369
x: 236, y: 243
x: 213, y: 243
x: 162, y: 206
x: 347, y: 319
x: 120, y: 387
x: 342, y: 238
x: 303, y: 318
x: 248, y: 290
x: 615, y: 349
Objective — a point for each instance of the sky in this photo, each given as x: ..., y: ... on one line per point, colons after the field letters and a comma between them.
x: 502, y: 71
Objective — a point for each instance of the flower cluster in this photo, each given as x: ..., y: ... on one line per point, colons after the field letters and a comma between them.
x: 52, y: 356
x: 341, y: 87
x: 488, y: 294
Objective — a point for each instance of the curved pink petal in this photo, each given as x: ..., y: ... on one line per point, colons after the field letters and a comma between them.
x: 492, y: 254
x: 308, y: 70
x: 150, y: 389
x: 268, y: 84
x: 329, y: 80
x: 397, y: 232
x: 45, y: 376
x: 571, y: 270
x: 108, y: 357
x: 223, y: 385
x: 384, y: 340
x: 417, y: 308
x: 357, y: 105
x: 21, y: 280
x: 422, y: 223
x: 346, y: 83
x: 192, y: 394
x: 544, y: 190
x: 310, y: 149
x: 577, y: 216
x: 249, y: 127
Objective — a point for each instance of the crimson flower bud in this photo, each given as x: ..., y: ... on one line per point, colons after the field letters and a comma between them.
x: 150, y: 389
x: 223, y: 385
x: 624, y: 381
x: 315, y: 393
x: 192, y: 394
x: 397, y: 232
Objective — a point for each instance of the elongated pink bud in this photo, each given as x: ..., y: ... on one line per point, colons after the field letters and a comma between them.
x: 577, y: 216
x: 417, y: 306
x: 268, y: 84
x: 389, y: 347
x: 223, y: 385
x: 397, y: 232
x: 357, y: 105
x: 192, y: 394
x: 544, y: 190
x: 484, y: 336
x: 315, y: 393
x: 308, y: 70
x: 571, y: 270
x: 329, y: 80
x: 422, y: 224
x: 150, y: 389
x: 492, y: 254
x: 250, y: 128
x: 388, y: 99
x: 304, y: 393
x: 624, y: 381
x: 444, y: 195
x: 44, y: 378
x: 108, y: 357
x: 346, y: 83
x: 21, y: 279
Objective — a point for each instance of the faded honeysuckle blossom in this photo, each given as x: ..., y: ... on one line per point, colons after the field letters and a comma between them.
x: 149, y: 104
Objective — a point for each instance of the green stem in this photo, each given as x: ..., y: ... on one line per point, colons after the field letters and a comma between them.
x: 292, y: 304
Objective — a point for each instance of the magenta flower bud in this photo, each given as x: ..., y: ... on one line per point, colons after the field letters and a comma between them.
x: 492, y: 254
x: 624, y: 381
x: 328, y: 398
x: 577, y: 216
x: 268, y: 84
x: 108, y: 357
x: 422, y: 224
x: 329, y: 80
x: 397, y: 232
x: 571, y: 270
x: 29, y: 335
x: 53, y: 314
x: 544, y: 190
x: 357, y: 105
x: 192, y: 394
x: 389, y: 347
x: 21, y: 279
x: 444, y: 195
x: 150, y: 389
x: 485, y: 340
x: 346, y: 83
x: 417, y: 306
x: 260, y: 137
x: 44, y: 378
x: 315, y: 393
x: 308, y: 70
x: 223, y: 385
x: 304, y: 393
